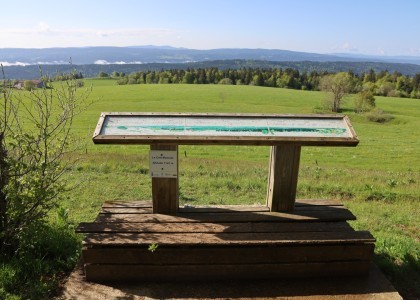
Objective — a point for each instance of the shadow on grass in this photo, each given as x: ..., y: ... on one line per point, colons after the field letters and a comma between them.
x: 404, y: 274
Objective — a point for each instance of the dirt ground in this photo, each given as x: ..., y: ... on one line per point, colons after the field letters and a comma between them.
x: 374, y: 286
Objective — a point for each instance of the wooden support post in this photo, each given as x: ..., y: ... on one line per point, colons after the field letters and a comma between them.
x: 282, y: 177
x: 165, y: 192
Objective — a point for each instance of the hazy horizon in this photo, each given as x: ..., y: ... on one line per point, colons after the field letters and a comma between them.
x: 375, y: 27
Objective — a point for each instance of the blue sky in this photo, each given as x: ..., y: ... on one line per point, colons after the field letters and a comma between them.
x: 377, y: 27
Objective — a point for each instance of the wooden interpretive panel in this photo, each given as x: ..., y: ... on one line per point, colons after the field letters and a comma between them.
x: 284, y: 133
x: 224, y: 129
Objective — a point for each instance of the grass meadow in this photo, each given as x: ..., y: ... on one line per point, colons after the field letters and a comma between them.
x: 379, y: 180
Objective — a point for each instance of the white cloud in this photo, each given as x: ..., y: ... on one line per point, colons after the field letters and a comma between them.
x: 101, y: 62
x: 16, y: 63
x: 43, y: 35
x: 381, y: 51
x: 349, y: 47
x: 414, y: 51
x: 105, y: 62
x: 43, y: 27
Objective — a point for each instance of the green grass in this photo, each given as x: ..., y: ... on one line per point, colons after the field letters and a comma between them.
x: 379, y: 180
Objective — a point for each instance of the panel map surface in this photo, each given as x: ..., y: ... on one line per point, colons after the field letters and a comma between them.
x: 214, y: 126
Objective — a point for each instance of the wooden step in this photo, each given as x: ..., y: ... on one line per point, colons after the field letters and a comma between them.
x: 211, y: 227
x: 159, y: 273
x: 148, y: 203
x: 228, y: 255
x: 299, y: 215
x: 223, y: 242
x: 201, y: 239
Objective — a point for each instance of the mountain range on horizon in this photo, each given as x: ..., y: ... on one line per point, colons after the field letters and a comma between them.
x: 167, y: 54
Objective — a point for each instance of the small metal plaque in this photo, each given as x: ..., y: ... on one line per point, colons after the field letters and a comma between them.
x: 163, y: 164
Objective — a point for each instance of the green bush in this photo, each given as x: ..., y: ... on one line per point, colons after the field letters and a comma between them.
x: 227, y: 81
x: 378, y: 115
x: 364, y: 101
x: 47, y: 254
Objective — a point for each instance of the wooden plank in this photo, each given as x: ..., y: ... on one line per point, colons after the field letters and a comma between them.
x: 127, y: 204
x: 203, y: 239
x: 211, y: 227
x: 318, y: 202
x: 228, y: 255
x: 282, y: 177
x: 197, y: 209
x: 165, y: 192
x: 228, y: 141
x: 124, y: 273
x: 224, y: 208
x: 328, y: 214
x: 99, y: 125
x: 148, y: 203
x: 126, y: 210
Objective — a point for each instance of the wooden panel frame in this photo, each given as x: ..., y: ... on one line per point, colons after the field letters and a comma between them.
x: 98, y: 138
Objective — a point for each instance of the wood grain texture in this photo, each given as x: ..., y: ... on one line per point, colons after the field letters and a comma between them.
x: 203, y: 239
x: 127, y: 204
x: 212, y: 227
x: 240, y: 243
x: 303, y: 214
x: 282, y: 177
x: 148, y: 204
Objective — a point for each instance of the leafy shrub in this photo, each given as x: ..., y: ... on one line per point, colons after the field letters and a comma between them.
x: 378, y: 115
x: 364, y: 101
x: 226, y: 81
x: 29, y: 85
x: 46, y: 255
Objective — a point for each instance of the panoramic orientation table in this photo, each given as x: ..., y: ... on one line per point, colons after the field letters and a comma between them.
x: 286, y: 134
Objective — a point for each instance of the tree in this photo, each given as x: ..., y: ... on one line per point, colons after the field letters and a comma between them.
x: 226, y: 81
x: 102, y: 74
x: 258, y: 80
x: 188, y: 78
x: 35, y: 136
x: 416, y: 82
x: 364, y: 101
x: 29, y: 85
x: 338, y: 85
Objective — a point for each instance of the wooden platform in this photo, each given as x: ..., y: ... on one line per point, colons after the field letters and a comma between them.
x: 223, y: 242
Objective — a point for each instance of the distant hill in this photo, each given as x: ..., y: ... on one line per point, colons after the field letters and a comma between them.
x: 168, y: 54
x: 92, y: 70
x: 22, y: 63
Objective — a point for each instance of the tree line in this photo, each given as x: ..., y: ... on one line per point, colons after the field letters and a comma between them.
x: 381, y: 83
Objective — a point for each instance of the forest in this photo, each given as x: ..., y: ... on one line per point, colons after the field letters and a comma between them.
x: 380, y: 83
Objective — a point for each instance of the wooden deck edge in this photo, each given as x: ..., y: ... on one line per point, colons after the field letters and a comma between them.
x: 240, y: 227
x: 201, y: 239
x: 115, y: 272
x: 121, y: 204
x: 228, y: 255
x: 301, y: 214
